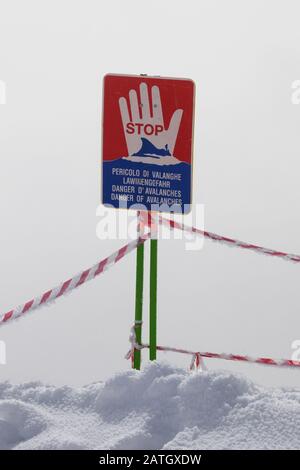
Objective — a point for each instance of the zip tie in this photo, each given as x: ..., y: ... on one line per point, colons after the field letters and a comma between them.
x: 196, y: 361
x: 148, y: 219
x: 133, y: 342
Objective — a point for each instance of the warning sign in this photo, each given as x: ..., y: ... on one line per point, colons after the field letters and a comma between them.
x: 147, y: 143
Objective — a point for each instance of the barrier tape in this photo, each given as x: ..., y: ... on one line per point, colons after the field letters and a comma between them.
x: 229, y: 241
x: 74, y: 282
x: 197, y: 356
x: 146, y: 220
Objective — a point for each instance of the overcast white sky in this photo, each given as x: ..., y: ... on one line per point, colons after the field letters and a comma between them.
x: 243, y: 56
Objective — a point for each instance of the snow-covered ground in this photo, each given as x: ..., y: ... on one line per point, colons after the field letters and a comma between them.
x: 161, y: 407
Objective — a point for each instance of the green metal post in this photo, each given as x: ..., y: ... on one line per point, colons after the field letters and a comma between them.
x: 153, y: 300
x: 139, y: 302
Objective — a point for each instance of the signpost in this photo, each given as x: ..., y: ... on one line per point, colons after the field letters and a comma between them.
x: 139, y: 287
x: 147, y: 160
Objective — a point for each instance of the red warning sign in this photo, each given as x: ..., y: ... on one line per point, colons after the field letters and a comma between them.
x: 147, y: 143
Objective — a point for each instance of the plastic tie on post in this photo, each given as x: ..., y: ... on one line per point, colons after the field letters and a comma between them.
x: 150, y: 221
x: 197, y: 362
x: 133, y: 341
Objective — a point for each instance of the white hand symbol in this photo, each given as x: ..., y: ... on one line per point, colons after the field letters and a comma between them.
x: 146, y: 124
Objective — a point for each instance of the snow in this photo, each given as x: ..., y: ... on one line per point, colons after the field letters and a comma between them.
x: 161, y: 407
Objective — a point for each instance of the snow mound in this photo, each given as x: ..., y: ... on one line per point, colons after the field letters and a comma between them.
x: 162, y: 407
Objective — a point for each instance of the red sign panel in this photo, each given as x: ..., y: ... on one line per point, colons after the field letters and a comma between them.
x: 147, y: 143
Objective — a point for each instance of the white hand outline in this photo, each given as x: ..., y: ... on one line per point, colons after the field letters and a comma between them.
x: 167, y: 136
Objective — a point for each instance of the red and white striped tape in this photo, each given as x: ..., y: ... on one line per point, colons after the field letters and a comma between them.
x: 197, y: 355
x: 229, y: 241
x: 267, y: 361
x: 146, y: 219
x: 72, y: 283
x: 236, y: 357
